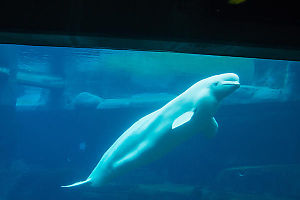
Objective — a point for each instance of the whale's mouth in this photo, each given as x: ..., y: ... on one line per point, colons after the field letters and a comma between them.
x: 233, y: 83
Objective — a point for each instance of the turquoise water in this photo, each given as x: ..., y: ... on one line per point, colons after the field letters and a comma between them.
x: 62, y: 108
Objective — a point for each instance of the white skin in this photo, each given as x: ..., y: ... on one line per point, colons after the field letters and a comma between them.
x: 159, y: 132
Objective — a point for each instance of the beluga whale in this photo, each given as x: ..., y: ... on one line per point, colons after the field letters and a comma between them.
x: 157, y: 133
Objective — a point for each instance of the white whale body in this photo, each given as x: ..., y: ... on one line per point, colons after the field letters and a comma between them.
x: 159, y: 132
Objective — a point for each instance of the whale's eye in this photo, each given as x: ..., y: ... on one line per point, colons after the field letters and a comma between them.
x: 216, y: 83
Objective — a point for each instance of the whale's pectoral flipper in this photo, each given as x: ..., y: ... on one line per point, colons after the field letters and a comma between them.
x: 78, y: 183
x: 182, y: 119
x: 211, y: 128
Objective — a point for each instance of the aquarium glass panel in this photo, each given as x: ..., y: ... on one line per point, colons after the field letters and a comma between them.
x: 83, y: 123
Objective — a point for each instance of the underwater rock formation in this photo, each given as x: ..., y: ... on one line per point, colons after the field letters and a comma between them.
x: 85, y: 100
x: 281, y: 180
x: 39, y: 80
x: 248, y: 94
x: 4, y: 73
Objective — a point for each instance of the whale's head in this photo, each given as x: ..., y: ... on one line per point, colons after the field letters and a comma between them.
x: 215, y: 87
x: 223, y: 85
x: 201, y: 101
x: 209, y: 92
x: 206, y: 94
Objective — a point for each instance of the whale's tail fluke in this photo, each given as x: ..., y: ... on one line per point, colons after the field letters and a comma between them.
x: 77, y: 183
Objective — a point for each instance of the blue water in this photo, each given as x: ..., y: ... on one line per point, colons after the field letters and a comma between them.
x: 45, y: 144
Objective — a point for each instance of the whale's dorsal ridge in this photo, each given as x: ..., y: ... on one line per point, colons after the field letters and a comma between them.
x: 182, y: 119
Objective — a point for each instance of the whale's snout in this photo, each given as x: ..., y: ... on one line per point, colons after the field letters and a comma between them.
x: 231, y: 83
x: 230, y: 79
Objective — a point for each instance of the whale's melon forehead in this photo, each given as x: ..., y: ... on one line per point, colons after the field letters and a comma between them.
x: 224, y: 77
x: 215, y: 83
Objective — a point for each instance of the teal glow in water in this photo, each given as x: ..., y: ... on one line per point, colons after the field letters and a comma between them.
x: 50, y: 136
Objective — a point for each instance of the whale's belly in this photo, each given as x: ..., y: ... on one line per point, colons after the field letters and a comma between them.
x: 146, y: 143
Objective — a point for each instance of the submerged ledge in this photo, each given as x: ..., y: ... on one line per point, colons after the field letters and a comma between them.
x: 86, y: 101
